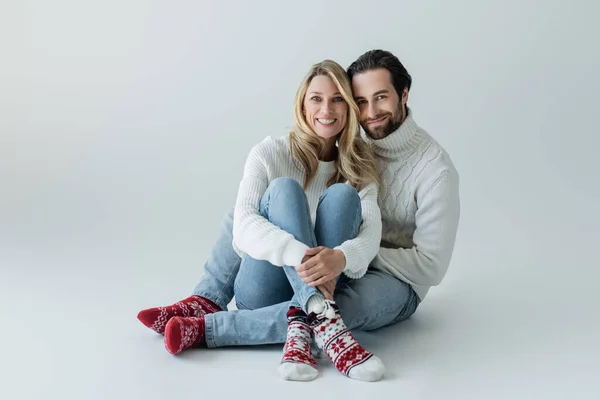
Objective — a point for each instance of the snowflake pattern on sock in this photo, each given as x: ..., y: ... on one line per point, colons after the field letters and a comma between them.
x: 184, y: 332
x: 194, y: 306
x: 337, y: 341
x: 297, y: 345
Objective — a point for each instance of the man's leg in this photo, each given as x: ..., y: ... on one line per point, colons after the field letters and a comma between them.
x: 375, y: 300
x: 221, y: 268
x: 214, y: 291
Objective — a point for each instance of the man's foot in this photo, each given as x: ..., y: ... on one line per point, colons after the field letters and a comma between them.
x: 194, y: 306
x: 349, y: 357
x: 183, y: 333
x: 297, y: 363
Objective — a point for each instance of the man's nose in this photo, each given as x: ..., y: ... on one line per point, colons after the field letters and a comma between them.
x: 371, y: 110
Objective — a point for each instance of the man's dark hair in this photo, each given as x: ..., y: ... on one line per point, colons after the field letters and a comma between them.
x: 374, y: 59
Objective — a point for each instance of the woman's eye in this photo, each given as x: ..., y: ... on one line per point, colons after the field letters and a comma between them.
x: 315, y: 98
x: 338, y: 99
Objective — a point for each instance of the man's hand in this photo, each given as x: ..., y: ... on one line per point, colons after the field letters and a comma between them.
x: 321, y: 265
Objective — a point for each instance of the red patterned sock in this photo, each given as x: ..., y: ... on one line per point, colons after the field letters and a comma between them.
x: 184, y: 332
x: 349, y: 357
x: 297, y: 363
x: 194, y: 306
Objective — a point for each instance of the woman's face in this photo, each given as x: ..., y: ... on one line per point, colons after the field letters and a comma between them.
x: 324, y: 107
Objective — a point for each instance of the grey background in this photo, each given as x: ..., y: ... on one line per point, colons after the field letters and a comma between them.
x: 124, y: 126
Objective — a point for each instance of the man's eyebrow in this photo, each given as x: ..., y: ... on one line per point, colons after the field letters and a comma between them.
x: 382, y: 91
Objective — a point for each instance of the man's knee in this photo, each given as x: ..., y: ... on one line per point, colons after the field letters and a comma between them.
x: 374, y: 301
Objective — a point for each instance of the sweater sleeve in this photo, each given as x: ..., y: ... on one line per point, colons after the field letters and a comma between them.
x: 437, y: 216
x: 361, y: 250
x: 253, y: 234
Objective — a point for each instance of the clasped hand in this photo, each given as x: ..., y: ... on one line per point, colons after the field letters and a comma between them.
x: 320, y: 267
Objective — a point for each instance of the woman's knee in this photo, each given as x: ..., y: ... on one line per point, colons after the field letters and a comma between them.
x: 286, y: 186
x: 341, y: 194
x: 282, y: 198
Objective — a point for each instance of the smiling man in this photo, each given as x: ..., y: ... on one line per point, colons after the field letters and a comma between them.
x: 419, y: 196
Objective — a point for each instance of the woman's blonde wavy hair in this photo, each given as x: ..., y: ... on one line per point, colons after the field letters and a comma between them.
x: 355, y: 162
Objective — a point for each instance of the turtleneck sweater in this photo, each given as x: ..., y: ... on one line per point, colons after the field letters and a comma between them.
x: 420, y: 207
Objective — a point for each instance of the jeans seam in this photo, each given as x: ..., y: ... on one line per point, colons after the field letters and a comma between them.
x: 242, y: 306
x: 209, y: 331
x: 231, y: 275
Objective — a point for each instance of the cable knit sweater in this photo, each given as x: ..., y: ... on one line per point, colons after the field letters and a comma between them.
x: 258, y: 237
x: 420, y: 207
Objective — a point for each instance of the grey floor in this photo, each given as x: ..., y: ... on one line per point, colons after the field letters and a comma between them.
x: 492, y: 331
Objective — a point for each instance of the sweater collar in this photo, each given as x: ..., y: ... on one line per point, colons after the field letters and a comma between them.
x: 398, y: 140
x: 326, y: 167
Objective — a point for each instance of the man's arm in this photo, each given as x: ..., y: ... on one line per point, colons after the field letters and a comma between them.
x: 438, y: 212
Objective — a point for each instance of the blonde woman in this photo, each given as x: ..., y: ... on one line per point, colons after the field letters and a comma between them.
x: 306, y: 214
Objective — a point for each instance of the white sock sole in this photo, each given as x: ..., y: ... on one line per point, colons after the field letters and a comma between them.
x: 371, y: 370
x: 297, y: 372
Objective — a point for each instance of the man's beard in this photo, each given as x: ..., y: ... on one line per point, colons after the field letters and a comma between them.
x: 393, y: 122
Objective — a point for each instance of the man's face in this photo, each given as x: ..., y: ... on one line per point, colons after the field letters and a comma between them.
x: 381, y: 110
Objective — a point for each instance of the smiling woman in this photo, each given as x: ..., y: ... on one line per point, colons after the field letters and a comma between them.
x: 324, y: 107
x: 306, y: 215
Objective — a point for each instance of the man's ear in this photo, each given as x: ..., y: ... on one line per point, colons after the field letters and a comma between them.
x: 404, y: 96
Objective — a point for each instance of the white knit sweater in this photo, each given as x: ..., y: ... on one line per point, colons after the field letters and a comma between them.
x: 420, y: 207
x: 257, y: 237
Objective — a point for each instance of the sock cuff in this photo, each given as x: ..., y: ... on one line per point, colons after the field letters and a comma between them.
x: 316, y: 304
x: 295, y: 313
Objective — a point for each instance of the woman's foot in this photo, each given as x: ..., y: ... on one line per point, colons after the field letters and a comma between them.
x: 349, y: 357
x: 194, y: 306
x: 297, y: 363
x: 183, y: 333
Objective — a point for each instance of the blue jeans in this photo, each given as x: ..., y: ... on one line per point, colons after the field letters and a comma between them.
x: 373, y: 301
x: 338, y: 217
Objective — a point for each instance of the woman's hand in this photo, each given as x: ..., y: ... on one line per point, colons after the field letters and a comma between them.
x: 327, y: 289
x: 321, y: 265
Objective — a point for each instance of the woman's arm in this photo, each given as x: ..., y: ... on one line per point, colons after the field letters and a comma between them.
x: 361, y: 250
x: 252, y: 233
x: 354, y: 255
